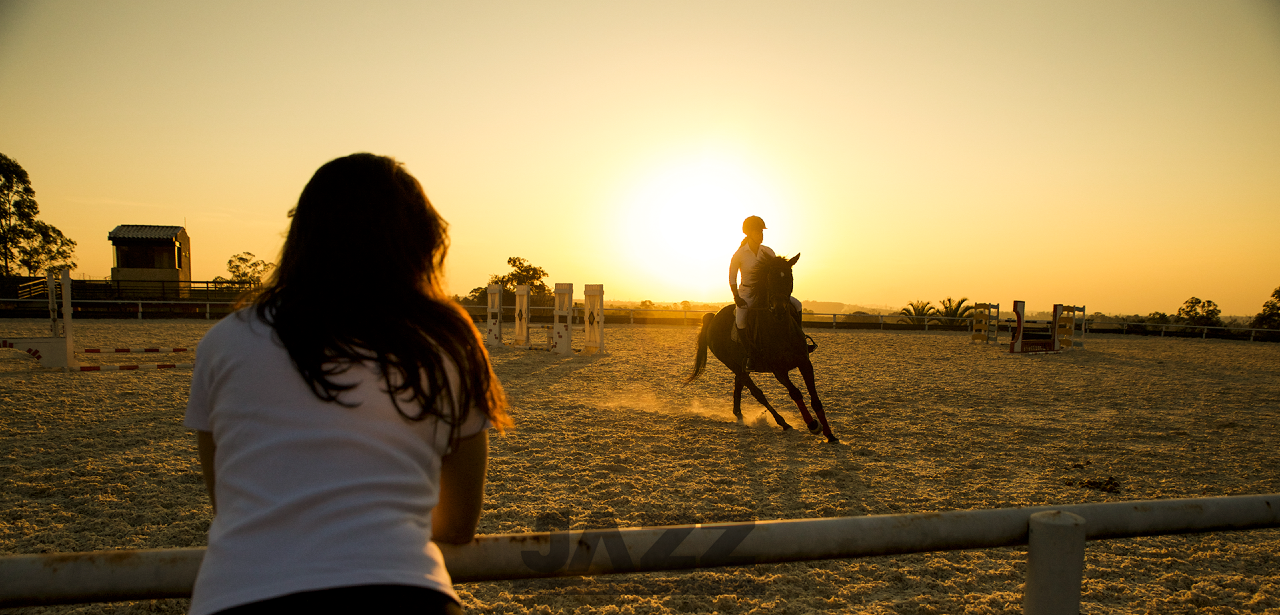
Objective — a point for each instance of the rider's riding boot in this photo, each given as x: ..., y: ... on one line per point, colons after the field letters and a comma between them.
x: 748, y: 348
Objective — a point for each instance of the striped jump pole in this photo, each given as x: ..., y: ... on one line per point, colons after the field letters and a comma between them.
x: 131, y: 350
x: 128, y: 368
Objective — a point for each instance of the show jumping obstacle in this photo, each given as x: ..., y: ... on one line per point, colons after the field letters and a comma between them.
x: 560, y: 333
x: 1061, y: 335
x: 58, y: 350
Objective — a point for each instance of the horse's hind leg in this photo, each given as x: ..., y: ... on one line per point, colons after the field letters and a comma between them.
x: 806, y: 370
x: 745, y: 379
x: 814, y: 427
x: 738, y: 384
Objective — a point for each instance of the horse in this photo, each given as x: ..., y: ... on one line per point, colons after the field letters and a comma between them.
x: 779, y: 344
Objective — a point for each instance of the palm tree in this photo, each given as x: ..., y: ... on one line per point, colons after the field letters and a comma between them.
x: 953, y: 311
x: 917, y: 312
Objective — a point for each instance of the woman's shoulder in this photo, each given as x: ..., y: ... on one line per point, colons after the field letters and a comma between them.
x: 239, y: 328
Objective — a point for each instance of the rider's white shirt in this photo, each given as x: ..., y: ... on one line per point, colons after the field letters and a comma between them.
x: 744, y: 261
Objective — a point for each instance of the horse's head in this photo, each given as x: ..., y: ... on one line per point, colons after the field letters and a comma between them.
x: 774, y: 282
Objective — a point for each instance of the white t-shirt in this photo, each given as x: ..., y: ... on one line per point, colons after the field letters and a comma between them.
x: 311, y: 495
x: 745, y: 260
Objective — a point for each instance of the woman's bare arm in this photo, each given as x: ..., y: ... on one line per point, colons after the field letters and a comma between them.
x: 206, y: 448
x: 462, y: 473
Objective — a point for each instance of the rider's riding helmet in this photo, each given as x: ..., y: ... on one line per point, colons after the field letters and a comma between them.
x: 753, y: 223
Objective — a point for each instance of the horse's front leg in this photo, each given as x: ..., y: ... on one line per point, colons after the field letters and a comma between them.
x: 745, y: 379
x: 806, y: 370
x: 798, y: 397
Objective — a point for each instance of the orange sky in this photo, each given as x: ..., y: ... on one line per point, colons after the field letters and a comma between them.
x: 1118, y: 155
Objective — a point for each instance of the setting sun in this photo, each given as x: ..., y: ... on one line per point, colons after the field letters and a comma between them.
x: 683, y: 221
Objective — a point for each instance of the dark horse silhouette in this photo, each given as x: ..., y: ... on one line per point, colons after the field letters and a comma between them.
x: 779, y: 344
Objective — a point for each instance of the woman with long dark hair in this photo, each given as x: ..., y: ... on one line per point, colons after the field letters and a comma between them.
x: 341, y: 418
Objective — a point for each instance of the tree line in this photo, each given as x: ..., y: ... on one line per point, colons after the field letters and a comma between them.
x: 1197, y: 312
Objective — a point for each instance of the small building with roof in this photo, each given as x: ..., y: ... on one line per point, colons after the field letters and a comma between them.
x: 145, y: 253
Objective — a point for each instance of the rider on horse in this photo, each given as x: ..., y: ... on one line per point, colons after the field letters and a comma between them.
x: 744, y: 260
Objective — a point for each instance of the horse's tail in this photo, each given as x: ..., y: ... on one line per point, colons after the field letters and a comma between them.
x: 700, y: 361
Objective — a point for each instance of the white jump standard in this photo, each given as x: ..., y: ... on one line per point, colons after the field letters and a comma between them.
x: 594, y: 306
x: 561, y: 341
x: 493, y: 334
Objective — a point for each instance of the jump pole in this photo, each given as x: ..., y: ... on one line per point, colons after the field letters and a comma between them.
x: 101, y: 576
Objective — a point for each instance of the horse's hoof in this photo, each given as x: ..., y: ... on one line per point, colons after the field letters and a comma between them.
x: 815, y: 427
x: 786, y: 427
x: 833, y: 440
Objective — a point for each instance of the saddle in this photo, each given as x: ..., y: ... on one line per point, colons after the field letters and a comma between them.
x: 777, y: 341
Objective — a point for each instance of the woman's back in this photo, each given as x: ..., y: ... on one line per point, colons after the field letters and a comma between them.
x: 310, y: 494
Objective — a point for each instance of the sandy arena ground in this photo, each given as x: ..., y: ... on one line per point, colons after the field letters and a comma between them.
x: 927, y: 421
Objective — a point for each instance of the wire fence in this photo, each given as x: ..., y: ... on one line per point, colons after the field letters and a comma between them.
x: 211, y: 302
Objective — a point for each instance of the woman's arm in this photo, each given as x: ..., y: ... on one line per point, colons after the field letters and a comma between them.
x: 734, y: 266
x: 206, y: 448
x: 462, y: 473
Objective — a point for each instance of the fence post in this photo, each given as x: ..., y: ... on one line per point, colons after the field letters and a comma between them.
x: 1055, y: 563
x: 833, y: 321
x: 206, y: 311
x: 139, y: 310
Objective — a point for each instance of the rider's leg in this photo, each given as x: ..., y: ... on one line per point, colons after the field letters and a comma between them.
x: 798, y: 312
x: 740, y: 315
x: 740, y: 323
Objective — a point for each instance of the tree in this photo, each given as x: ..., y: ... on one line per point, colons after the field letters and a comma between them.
x: 1158, y: 318
x: 953, y: 311
x: 522, y: 272
x: 26, y: 241
x: 1200, y: 313
x: 1269, y: 317
x: 646, y: 305
x: 245, y: 270
x: 918, y: 312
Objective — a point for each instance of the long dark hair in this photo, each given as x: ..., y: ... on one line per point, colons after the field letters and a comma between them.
x: 359, y: 281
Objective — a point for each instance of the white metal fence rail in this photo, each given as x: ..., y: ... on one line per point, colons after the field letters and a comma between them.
x: 102, y: 576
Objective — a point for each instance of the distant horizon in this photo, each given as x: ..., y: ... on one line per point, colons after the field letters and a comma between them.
x: 1005, y: 306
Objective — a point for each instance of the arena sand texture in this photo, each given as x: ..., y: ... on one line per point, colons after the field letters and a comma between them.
x: 927, y: 422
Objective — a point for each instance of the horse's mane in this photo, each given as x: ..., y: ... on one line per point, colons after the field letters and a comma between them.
x: 768, y: 268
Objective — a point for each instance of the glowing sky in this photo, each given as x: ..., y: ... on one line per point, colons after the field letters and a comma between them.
x: 1121, y: 155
